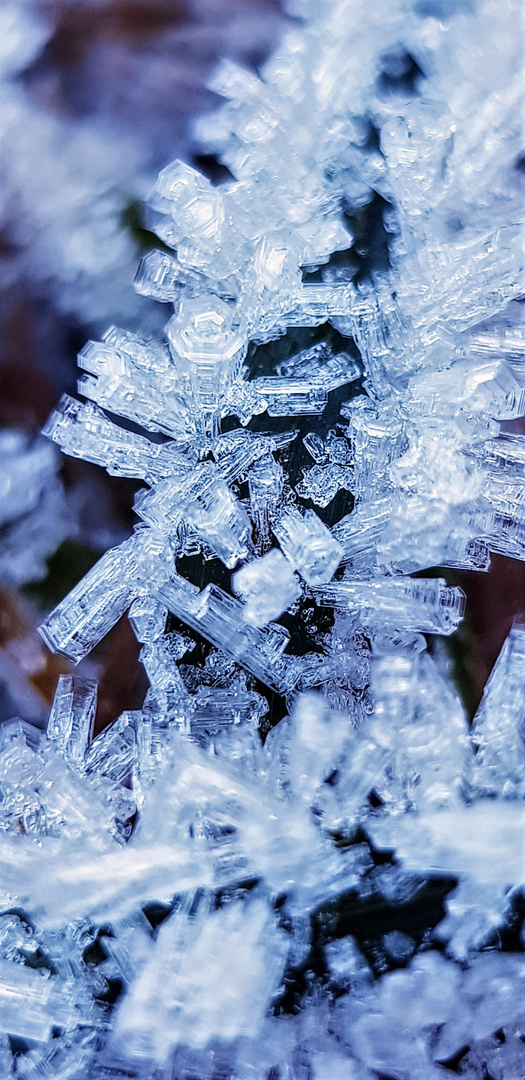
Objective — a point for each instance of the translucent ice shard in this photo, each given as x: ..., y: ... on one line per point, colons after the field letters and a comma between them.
x: 489, y: 386
x: 501, y: 462
x: 265, y: 485
x: 191, y: 207
x: 219, y: 518
x: 162, y: 277
x: 148, y: 618
x: 219, y: 618
x: 110, y: 883
x: 507, y: 534
x: 268, y: 587
x: 237, y: 451
x: 244, y: 826
x: 316, y: 756
x: 44, y: 796
x: 431, y: 465
x: 32, y: 1003
x: 114, y: 750
x: 309, y: 545
x: 499, y: 725
x: 319, y: 365
x: 290, y: 397
x: 316, y: 447
x: 131, y: 945
x: 358, y: 533
x: 427, y: 605
x: 424, y: 721
x: 501, y: 336
x: 388, y: 1047
x: 174, y: 1001
x: 377, y: 439
x: 168, y: 692
x: 483, y: 841
x: 319, y: 736
x: 394, y: 679
x: 72, y: 716
x: 203, y: 500
x: 94, y: 605
x: 120, y: 380
x: 83, y: 430
x: 346, y: 964
x: 423, y: 532
x: 213, y: 710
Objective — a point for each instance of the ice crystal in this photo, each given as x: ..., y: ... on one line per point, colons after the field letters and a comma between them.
x: 33, y: 515
x: 95, y: 127
x: 214, y: 861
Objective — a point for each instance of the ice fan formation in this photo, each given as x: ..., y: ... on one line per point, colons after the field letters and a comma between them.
x: 296, y: 862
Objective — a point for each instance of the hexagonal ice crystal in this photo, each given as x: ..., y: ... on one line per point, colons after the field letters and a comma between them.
x: 268, y: 586
x: 194, y: 206
x: 309, y: 545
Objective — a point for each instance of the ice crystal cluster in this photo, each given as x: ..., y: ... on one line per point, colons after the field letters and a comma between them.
x: 33, y: 516
x: 83, y: 172
x: 95, y: 129
x: 296, y: 861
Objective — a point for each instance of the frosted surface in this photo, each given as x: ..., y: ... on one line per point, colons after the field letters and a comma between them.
x: 195, y: 881
x: 33, y: 513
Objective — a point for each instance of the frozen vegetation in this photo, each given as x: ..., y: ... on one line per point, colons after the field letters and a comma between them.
x: 297, y: 861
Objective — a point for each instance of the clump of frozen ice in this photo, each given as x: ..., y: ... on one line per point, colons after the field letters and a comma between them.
x: 33, y: 513
x: 87, y: 120
x: 213, y: 889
